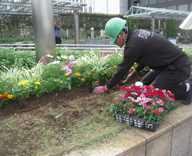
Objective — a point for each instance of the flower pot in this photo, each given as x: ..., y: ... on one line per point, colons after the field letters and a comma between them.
x: 140, y: 123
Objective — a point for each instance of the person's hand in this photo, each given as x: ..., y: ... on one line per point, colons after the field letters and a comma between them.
x: 131, y: 76
x: 99, y: 89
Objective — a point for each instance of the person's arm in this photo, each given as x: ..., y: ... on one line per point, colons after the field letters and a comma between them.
x: 130, y: 56
x: 133, y: 74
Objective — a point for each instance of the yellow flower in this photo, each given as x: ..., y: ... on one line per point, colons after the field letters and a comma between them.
x: 66, y: 74
x: 34, y: 79
x: 132, y: 67
x: 114, y: 67
x: 21, y: 83
x: 105, y: 72
x: 9, y: 96
x: 55, y: 80
x: 24, y: 88
x: 25, y: 82
x: 77, y: 74
x: 89, y: 73
x: 135, y: 63
x: 82, y: 79
x: 36, y: 87
x: 37, y: 83
x: 61, y: 81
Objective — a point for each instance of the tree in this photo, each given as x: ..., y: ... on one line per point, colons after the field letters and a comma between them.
x: 171, y: 28
x: 131, y: 23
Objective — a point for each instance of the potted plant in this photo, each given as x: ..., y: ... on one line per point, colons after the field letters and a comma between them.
x: 141, y: 106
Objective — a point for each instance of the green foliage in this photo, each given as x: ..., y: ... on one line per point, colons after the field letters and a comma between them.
x: 131, y: 23
x: 10, y: 59
x: 171, y: 28
x: 12, y: 40
x: 26, y: 78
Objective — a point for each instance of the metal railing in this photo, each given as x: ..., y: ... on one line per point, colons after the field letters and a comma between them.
x: 81, y: 47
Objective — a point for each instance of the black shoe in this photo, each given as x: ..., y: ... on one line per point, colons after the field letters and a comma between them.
x: 188, y: 98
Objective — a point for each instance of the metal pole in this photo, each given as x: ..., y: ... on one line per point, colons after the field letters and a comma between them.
x: 76, y: 27
x: 159, y: 25
x: 43, y: 25
x: 107, y: 6
x: 152, y: 24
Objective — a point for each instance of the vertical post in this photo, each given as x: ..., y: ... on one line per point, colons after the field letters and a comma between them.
x: 164, y: 27
x: 152, y: 24
x: 76, y: 27
x: 43, y: 25
x: 107, y: 6
x: 92, y: 33
x: 159, y: 24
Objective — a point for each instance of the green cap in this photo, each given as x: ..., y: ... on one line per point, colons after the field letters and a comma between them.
x: 113, y: 27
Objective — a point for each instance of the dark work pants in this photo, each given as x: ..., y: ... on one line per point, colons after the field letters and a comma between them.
x: 58, y: 40
x: 171, y: 78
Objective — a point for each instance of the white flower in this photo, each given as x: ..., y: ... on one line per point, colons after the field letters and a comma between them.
x: 64, y: 57
x: 84, y: 58
x: 48, y: 55
x: 138, y: 83
x: 54, y: 62
x: 71, y: 56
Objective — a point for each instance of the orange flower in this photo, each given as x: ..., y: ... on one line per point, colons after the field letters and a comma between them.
x: 82, y: 79
x: 5, y: 94
x: 89, y: 73
x: 77, y: 74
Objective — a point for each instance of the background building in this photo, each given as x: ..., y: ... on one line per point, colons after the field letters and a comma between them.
x: 122, y: 6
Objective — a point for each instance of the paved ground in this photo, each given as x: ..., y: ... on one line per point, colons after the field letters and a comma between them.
x: 185, y: 45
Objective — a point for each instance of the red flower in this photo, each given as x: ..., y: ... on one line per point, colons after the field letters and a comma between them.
x: 122, y: 87
x: 131, y: 111
x: 148, y: 107
x: 157, y: 112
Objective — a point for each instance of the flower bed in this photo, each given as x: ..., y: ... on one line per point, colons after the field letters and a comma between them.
x: 142, y: 106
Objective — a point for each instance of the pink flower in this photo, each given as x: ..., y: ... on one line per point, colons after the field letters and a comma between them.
x: 157, y: 112
x: 131, y: 111
x: 148, y: 107
x: 70, y: 64
x: 64, y: 68
x: 161, y: 109
x: 43, y: 60
x: 131, y: 103
x: 69, y: 71
x: 66, y: 60
x: 122, y: 99
x: 74, y: 61
x: 153, y: 111
x: 117, y: 103
x: 121, y: 95
x: 124, y: 105
x: 115, y: 99
x: 160, y: 102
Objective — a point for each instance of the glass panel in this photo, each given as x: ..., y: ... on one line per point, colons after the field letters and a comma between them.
x: 152, y: 1
x: 172, y: 7
x: 159, y: 1
x: 190, y: 7
x: 144, y: 2
x: 170, y: 0
x: 183, y: 7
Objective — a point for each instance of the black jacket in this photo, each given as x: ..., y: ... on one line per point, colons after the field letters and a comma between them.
x: 147, y: 49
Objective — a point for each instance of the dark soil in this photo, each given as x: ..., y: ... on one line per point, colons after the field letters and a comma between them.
x: 25, y: 116
x: 55, y: 98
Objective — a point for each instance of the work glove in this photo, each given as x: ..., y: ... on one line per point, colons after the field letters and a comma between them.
x: 99, y: 89
x: 131, y: 76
